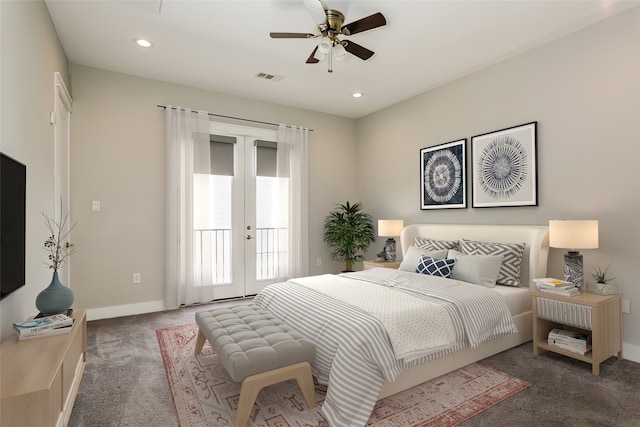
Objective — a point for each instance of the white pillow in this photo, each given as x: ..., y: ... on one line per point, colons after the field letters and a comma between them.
x: 479, y: 269
x: 413, y: 255
x: 512, y: 254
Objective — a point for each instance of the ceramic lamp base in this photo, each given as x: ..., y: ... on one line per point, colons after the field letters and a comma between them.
x: 390, y: 250
x: 573, y: 269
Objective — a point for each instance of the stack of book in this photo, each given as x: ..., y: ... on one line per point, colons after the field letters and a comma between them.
x: 575, y: 342
x: 556, y: 286
x: 43, y: 326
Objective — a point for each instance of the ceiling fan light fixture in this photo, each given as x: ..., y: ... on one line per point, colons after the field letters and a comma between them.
x: 339, y: 51
x: 319, y: 55
x: 325, y: 46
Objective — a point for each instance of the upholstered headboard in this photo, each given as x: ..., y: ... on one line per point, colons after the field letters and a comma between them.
x: 535, y: 238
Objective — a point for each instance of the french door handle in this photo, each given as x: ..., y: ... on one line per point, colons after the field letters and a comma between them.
x: 249, y: 237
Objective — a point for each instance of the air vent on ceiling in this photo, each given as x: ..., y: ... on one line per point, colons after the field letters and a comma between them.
x: 154, y: 6
x: 271, y: 77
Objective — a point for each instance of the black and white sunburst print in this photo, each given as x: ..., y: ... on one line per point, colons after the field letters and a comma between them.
x: 503, y: 167
x: 443, y: 177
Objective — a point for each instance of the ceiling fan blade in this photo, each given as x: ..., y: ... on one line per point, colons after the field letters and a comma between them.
x: 370, y: 22
x: 312, y: 59
x: 357, y: 50
x: 316, y: 9
x: 291, y: 35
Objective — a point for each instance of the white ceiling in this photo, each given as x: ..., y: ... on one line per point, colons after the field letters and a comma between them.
x: 223, y: 45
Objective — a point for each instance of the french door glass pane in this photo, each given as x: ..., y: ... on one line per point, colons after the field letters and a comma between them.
x: 212, y: 200
x: 272, y: 233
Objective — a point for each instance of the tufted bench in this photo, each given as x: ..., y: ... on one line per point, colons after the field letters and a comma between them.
x: 257, y: 349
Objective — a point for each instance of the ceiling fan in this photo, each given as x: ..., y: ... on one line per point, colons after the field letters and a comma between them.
x: 330, y: 25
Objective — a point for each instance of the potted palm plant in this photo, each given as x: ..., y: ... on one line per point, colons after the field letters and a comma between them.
x: 349, y: 231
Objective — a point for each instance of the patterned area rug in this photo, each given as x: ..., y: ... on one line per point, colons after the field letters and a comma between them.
x: 205, y: 395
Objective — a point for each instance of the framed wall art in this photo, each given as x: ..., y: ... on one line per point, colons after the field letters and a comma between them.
x: 504, y: 165
x: 443, y: 175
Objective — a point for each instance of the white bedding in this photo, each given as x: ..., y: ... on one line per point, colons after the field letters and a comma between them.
x: 403, y: 316
x: 355, y: 353
x: 518, y: 299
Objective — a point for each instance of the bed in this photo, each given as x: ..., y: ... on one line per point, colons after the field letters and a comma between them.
x: 359, y: 355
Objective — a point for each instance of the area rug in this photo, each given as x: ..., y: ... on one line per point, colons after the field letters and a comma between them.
x: 205, y: 395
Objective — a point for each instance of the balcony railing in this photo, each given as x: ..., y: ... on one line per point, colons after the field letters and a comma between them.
x: 272, y: 252
x: 213, y: 258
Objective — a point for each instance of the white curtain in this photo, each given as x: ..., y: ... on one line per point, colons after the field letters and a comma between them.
x: 187, y: 150
x: 292, y: 162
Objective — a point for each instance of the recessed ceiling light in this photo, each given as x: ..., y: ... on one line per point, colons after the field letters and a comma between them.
x: 356, y: 94
x: 143, y: 42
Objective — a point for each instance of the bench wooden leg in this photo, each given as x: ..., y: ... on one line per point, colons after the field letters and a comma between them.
x: 252, y: 385
x: 305, y: 381
x: 199, y: 342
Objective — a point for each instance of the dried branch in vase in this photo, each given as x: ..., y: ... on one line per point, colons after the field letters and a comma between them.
x: 57, y: 246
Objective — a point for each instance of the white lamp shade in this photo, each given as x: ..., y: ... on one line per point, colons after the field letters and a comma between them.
x: 339, y: 52
x: 390, y: 227
x: 573, y: 234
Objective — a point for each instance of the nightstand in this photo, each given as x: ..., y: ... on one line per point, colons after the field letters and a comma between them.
x: 599, y: 315
x: 384, y: 264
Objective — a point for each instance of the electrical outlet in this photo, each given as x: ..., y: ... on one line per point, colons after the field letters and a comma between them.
x: 137, y: 278
x: 626, y: 306
x: 95, y: 205
x: 319, y: 262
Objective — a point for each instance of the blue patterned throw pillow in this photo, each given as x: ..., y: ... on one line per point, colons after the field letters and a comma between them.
x: 436, y: 267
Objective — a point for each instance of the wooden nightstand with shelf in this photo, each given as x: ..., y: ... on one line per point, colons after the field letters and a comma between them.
x: 384, y: 264
x: 597, y: 315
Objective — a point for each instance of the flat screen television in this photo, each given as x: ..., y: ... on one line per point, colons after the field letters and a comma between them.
x: 13, y: 184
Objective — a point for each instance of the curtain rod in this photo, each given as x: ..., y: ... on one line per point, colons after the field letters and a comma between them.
x: 235, y: 118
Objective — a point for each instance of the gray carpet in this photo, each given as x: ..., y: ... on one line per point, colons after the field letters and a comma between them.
x: 125, y: 384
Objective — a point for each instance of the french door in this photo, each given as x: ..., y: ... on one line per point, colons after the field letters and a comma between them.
x: 240, y: 220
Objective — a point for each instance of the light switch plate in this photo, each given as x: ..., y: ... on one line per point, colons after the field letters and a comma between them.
x: 95, y: 205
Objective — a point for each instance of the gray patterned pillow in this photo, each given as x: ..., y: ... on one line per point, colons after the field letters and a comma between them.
x: 435, y: 245
x: 511, y: 258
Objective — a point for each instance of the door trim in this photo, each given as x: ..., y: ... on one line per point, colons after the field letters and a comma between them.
x: 62, y: 104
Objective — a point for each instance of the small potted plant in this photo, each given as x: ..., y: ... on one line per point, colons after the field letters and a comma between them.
x: 349, y: 231
x: 603, y: 284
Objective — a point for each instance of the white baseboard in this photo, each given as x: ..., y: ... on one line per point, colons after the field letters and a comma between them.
x: 124, y: 310
x: 631, y: 352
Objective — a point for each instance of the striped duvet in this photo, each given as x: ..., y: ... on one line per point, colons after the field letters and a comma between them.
x: 355, y: 353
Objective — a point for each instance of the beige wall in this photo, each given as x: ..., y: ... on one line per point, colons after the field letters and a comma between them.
x: 31, y: 54
x: 584, y: 92
x: 118, y: 159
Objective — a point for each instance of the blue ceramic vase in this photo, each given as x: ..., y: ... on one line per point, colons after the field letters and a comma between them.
x: 55, y: 298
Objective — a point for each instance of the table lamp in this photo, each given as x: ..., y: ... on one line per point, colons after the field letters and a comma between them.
x: 573, y: 235
x: 390, y: 228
